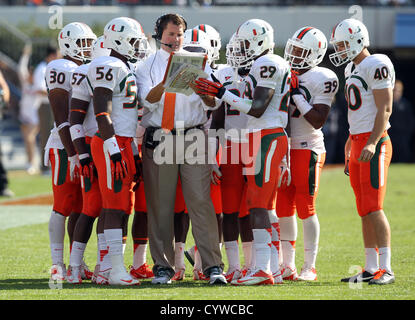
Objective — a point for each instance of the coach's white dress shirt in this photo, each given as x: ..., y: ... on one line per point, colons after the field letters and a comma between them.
x: 190, y: 110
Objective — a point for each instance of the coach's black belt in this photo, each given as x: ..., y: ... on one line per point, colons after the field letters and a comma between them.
x: 149, y: 141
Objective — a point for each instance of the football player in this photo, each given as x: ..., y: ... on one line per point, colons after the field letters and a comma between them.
x: 115, y: 106
x: 83, y: 127
x: 233, y: 186
x: 369, y: 84
x: 312, y: 91
x: 215, y: 44
x: 269, y: 79
x: 75, y: 41
x: 140, y: 269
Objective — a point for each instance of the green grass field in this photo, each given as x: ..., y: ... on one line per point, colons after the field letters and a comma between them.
x: 25, y: 257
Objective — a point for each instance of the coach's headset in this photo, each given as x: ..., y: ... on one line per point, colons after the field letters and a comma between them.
x: 159, y: 30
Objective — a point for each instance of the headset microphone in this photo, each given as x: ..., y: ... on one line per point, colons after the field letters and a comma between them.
x: 155, y: 37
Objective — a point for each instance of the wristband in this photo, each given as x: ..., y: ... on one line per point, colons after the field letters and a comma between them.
x: 302, y: 103
x: 63, y: 125
x: 83, y: 156
x: 111, y: 145
x: 243, y: 105
x: 77, y: 131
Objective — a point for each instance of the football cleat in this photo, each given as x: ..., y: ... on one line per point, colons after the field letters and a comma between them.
x: 73, y: 275
x: 86, y: 274
x: 256, y: 277
x: 102, y: 277
x: 245, y: 270
x: 142, y: 272
x: 198, y: 275
x: 289, y: 273
x: 308, y: 274
x: 95, y: 274
x: 58, y: 272
x: 233, y: 275
x: 382, y: 277
x: 277, y: 277
x: 121, y: 277
x: 190, y: 255
x: 179, y: 275
x: 363, y: 276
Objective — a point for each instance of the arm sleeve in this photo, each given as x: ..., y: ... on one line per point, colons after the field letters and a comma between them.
x: 80, y: 88
x: 145, y: 84
x: 58, y: 78
x: 326, y: 89
x: 266, y: 73
x: 103, y: 76
x: 381, y: 74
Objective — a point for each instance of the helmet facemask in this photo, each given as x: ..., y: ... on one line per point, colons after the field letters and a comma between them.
x: 342, y: 53
x: 298, y: 55
x: 84, y: 52
x: 238, y: 53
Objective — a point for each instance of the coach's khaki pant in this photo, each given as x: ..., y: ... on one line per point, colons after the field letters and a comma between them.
x: 160, y: 181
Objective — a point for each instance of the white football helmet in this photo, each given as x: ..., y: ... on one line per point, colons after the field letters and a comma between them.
x: 75, y: 40
x: 252, y: 38
x: 196, y: 40
x: 215, y: 40
x: 98, y: 48
x: 306, y: 48
x: 348, y: 38
x: 126, y: 36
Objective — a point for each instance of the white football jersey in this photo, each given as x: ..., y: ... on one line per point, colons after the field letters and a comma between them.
x: 82, y: 91
x: 112, y: 73
x: 374, y: 72
x: 234, y: 119
x: 319, y: 86
x: 270, y: 71
x: 58, y: 75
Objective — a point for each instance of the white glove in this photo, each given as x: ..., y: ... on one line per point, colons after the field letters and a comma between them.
x: 74, y: 167
x: 285, y: 174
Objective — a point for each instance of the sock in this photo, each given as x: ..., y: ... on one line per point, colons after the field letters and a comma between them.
x: 247, y: 250
x: 140, y: 255
x: 56, y: 237
x: 232, y: 252
x: 179, y: 256
x: 371, y: 255
x: 105, y: 261
x: 288, y: 236
x: 311, y: 230
x: 113, y: 237
x: 262, y: 250
x: 385, y: 259
x: 275, y: 242
x: 77, y: 253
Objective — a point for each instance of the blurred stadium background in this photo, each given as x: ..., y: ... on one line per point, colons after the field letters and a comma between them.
x: 391, y: 24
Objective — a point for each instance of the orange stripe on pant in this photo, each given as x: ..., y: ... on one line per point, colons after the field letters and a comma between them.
x: 301, y: 194
x: 116, y: 194
x: 369, y: 179
x: 269, y: 146
x: 91, y: 195
x: 67, y: 196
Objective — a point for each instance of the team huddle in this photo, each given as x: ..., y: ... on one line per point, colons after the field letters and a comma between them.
x: 112, y: 112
